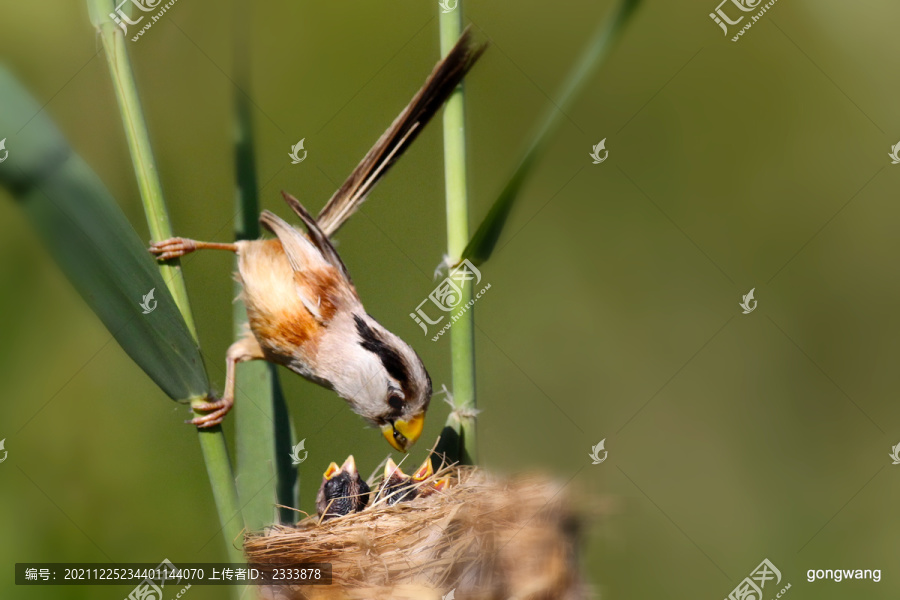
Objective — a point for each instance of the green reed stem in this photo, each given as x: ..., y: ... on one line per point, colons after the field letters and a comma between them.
x: 263, y: 433
x: 462, y: 334
x: 212, y: 441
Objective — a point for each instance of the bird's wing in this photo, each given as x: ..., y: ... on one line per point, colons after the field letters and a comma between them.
x: 442, y: 81
x: 317, y: 236
x: 301, y: 253
x: 313, y: 272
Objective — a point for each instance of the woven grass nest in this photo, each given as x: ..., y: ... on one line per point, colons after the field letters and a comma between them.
x: 481, y: 538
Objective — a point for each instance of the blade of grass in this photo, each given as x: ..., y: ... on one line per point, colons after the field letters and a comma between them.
x: 462, y: 337
x: 95, y: 246
x: 482, y: 244
x: 265, y: 474
x: 212, y: 441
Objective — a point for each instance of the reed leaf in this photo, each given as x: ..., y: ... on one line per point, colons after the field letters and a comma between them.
x: 484, y: 241
x: 95, y: 246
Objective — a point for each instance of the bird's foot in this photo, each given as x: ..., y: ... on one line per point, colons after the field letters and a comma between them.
x: 218, y: 410
x: 175, y: 247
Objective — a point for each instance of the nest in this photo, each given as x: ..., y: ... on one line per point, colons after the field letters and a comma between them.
x: 481, y: 538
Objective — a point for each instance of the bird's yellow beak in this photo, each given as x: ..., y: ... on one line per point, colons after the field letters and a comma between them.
x: 349, y: 465
x: 425, y: 471
x: 331, y: 471
x: 390, y: 467
x: 404, y: 434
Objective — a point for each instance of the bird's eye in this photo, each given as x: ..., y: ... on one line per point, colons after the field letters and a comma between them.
x: 396, y: 403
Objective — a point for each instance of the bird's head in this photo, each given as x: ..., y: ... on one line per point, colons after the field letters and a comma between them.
x: 397, y: 388
x: 342, y: 491
x: 397, y: 486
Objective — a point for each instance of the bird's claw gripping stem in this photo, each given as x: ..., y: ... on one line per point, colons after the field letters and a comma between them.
x: 218, y: 408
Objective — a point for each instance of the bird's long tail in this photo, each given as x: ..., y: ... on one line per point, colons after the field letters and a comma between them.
x: 442, y: 81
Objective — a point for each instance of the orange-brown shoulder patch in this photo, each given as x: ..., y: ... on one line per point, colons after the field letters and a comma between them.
x: 323, y: 285
x: 287, y: 333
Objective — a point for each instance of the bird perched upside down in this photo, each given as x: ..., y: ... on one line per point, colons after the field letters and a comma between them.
x: 342, y: 491
x: 303, y: 310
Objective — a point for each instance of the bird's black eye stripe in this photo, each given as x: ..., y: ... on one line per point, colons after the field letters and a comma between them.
x: 389, y: 357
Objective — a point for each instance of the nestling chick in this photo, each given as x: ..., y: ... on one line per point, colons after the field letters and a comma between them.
x: 342, y: 491
x: 303, y: 310
x: 397, y: 486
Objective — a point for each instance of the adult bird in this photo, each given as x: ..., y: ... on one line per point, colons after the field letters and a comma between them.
x: 303, y: 309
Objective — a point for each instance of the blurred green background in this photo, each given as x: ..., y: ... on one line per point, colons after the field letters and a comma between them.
x: 613, y: 310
